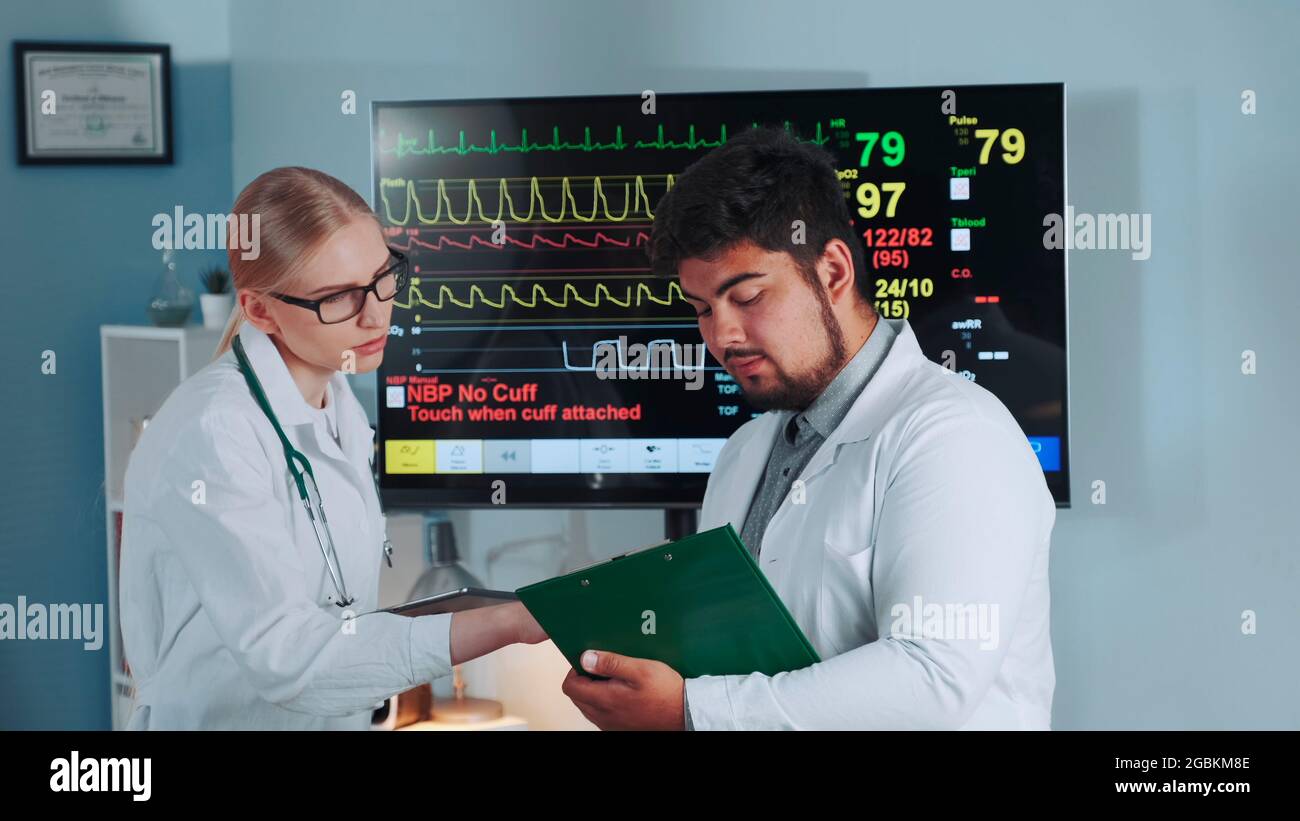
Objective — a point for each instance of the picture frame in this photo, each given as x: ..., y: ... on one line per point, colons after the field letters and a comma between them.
x: 93, y: 103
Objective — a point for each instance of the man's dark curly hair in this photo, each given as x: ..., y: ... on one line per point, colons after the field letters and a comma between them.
x: 753, y: 188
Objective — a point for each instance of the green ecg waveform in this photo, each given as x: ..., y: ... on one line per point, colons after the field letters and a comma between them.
x: 633, y: 193
x: 406, y: 146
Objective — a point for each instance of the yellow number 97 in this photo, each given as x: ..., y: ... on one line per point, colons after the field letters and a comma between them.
x: 868, y: 196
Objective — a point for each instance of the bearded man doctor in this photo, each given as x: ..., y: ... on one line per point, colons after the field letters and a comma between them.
x: 877, y: 483
x: 253, y: 532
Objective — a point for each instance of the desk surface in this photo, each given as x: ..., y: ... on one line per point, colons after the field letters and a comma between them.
x: 503, y: 723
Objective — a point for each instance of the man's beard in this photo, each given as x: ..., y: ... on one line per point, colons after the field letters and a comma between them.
x: 797, y: 392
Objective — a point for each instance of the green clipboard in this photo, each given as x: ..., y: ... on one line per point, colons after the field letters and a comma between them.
x: 699, y: 604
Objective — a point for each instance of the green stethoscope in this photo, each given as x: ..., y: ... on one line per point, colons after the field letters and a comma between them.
x: 301, y: 476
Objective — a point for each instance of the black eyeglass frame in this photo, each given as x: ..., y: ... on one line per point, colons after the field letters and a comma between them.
x: 400, y: 268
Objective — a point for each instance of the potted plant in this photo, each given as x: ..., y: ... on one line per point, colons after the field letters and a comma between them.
x: 219, y: 301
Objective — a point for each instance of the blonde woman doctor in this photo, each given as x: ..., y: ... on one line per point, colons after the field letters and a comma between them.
x: 233, y: 613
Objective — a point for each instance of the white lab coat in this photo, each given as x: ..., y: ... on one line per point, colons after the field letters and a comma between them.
x: 927, y: 488
x: 226, y: 603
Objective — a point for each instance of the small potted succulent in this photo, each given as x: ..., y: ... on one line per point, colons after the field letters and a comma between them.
x: 219, y: 301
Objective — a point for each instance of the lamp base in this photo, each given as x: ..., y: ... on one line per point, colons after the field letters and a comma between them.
x: 466, y: 710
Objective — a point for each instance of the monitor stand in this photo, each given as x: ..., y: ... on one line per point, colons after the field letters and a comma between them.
x: 680, y: 522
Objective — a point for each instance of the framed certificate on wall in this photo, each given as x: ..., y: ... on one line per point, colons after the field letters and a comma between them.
x: 93, y: 102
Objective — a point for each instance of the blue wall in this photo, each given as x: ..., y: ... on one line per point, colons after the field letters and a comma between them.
x: 1199, y: 460
x: 77, y: 254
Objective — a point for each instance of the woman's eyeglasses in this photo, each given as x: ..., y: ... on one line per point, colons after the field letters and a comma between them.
x: 343, y: 305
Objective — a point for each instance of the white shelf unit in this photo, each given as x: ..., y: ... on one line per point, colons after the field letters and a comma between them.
x: 141, y: 366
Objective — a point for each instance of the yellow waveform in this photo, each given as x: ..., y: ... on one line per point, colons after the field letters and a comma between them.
x: 633, y: 295
x: 633, y: 193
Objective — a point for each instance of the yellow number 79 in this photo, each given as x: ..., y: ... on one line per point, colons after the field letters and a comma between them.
x: 1013, y: 144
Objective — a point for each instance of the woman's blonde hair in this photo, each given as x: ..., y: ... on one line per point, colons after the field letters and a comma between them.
x: 297, y: 210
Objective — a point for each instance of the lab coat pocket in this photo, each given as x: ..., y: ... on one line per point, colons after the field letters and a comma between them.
x: 847, y: 605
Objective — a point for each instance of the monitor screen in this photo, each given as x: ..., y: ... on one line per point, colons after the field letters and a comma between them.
x: 535, y: 360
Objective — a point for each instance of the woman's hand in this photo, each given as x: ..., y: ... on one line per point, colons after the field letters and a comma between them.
x: 478, y: 632
x: 526, y: 628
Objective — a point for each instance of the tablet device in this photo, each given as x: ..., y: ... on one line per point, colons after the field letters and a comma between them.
x: 453, y: 601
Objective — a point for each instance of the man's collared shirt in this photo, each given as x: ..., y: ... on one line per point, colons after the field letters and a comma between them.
x: 803, y: 434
